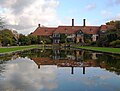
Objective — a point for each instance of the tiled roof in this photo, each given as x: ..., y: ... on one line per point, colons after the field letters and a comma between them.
x: 90, y: 29
x: 66, y: 29
x: 49, y: 61
x: 63, y: 62
x: 44, y: 31
x: 103, y: 27
x: 71, y: 30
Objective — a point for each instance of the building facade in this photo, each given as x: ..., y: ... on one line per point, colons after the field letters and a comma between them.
x: 73, y: 33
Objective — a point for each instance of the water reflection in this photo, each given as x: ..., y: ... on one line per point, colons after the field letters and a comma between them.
x: 23, y: 76
x: 68, y: 58
x: 59, y: 70
x: 74, y: 58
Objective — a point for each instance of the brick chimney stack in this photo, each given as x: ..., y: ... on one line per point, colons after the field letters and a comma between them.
x: 38, y: 25
x: 84, y: 22
x: 72, y: 22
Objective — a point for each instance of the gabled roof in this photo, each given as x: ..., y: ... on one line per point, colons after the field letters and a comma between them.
x: 90, y: 29
x: 44, y: 31
x: 103, y: 27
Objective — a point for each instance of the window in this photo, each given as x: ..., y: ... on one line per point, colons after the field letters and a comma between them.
x: 56, y: 35
x: 80, y: 32
x: 53, y: 35
x: 57, y: 41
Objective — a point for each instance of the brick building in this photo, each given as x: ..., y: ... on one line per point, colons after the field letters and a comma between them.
x: 73, y: 33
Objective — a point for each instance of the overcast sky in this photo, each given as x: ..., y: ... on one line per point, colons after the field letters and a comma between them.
x: 25, y: 15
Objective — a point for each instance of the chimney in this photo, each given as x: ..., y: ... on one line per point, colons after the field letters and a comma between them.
x: 38, y: 25
x: 84, y: 22
x: 72, y: 22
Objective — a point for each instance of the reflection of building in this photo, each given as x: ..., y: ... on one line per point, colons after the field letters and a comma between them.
x: 67, y: 54
x: 69, y: 58
x: 56, y: 54
x: 94, y: 56
x: 79, y: 55
x: 61, y: 63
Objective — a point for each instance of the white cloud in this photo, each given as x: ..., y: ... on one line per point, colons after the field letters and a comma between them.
x: 26, y: 14
x: 90, y: 6
x: 17, y: 79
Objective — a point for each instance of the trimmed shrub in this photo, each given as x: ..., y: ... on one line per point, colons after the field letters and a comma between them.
x: 115, y: 43
x: 93, y: 43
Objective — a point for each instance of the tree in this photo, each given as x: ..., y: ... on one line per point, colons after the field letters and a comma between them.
x: 63, y: 38
x: 7, y: 37
x: 101, y: 41
x: 6, y: 41
x: 110, y: 23
x: 115, y: 43
x: 24, y: 40
x: 105, y: 39
x: 111, y: 37
x: 45, y: 39
x: 87, y: 38
x: 33, y: 39
x: 0, y: 39
x: 117, y: 25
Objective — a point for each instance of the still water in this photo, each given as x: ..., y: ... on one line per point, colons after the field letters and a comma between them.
x: 60, y: 70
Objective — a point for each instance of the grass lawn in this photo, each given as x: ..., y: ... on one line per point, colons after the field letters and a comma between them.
x: 16, y: 48
x: 101, y: 49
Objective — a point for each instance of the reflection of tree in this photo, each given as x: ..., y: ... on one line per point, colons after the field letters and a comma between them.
x: 36, y: 53
x: 2, y: 69
x: 4, y: 59
x: 87, y: 55
x: 110, y: 62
